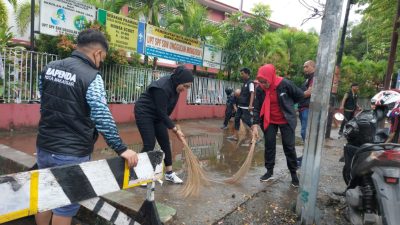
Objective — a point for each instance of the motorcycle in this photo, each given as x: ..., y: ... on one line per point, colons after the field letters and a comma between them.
x: 372, y: 167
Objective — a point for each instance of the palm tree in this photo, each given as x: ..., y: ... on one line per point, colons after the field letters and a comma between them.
x: 191, y: 22
x: 113, y: 6
x: 23, y: 16
x: 4, y: 12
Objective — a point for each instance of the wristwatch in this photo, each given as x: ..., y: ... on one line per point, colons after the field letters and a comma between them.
x: 175, y: 129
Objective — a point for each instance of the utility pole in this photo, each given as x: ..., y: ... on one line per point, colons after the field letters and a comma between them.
x: 337, y: 70
x: 32, y: 38
x: 307, y: 198
x: 393, y: 48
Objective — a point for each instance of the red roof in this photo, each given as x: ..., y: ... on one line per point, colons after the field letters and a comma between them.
x: 216, y: 5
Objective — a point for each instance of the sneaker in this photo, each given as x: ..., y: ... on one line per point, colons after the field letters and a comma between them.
x: 267, y: 176
x: 173, y: 178
x: 224, y: 127
x: 295, y: 181
x: 233, y: 138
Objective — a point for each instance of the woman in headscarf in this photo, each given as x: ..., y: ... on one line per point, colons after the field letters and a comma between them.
x: 273, y: 109
x: 152, y: 111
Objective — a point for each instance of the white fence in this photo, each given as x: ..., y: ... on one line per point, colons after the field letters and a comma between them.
x: 20, y: 69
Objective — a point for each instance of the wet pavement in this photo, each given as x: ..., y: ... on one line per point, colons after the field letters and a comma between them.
x: 220, y: 203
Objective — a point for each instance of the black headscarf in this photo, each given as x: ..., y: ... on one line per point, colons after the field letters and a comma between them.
x: 181, y: 75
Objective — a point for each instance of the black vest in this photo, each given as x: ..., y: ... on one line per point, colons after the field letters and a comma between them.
x: 65, y: 126
x: 244, y: 98
x: 145, y: 105
x: 351, y: 101
x: 305, y: 103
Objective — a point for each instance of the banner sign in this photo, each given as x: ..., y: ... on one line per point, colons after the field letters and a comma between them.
x: 64, y: 16
x: 141, y: 38
x: 123, y: 31
x: 212, y: 57
x: 168, y: 45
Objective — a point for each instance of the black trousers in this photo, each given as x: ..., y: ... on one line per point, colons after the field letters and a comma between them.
x: 288, y: 142
x: 150, y: 130
x: 228, y: 113
x: 348, y: 115
x: 243, y: 114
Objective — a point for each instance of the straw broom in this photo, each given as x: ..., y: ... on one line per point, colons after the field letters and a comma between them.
x: 196, y: 177
x: 239, y: 175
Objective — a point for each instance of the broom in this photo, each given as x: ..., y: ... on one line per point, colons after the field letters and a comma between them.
x: 239, y: 175
x: 195, y: 174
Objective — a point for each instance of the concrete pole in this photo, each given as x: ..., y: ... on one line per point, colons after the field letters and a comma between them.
x: 393, y: 48
x: 337, y: 72
x: 326, y: 57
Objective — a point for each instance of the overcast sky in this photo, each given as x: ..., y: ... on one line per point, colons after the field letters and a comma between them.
x: 291, y: 12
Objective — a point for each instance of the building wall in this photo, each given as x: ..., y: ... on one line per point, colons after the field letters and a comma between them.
x: 16, y: 116
x: 216, y: 15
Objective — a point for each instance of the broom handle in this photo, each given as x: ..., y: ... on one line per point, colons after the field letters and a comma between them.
x: 183, y: 140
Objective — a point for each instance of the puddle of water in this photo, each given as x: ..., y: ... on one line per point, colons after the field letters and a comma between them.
x: 206, y: 140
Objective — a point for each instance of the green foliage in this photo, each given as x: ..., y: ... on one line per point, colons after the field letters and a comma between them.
x: 3, y: 15
x: 5, y: 36
x: 191, y: 22
x: 113, y: 6
x: 23, y: 16
x: 288, y: 49
x: 367, y: 73
x: 371, y: 38
x: 242, y: 35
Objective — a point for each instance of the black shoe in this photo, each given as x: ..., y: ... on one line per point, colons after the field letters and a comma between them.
x: 267, y: 176
x: 295, y: 181
x: 299, y: 160
x: 341, y: 158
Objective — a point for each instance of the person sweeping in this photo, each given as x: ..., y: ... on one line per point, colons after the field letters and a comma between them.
x: 152, y: 111
x: 273, y: 110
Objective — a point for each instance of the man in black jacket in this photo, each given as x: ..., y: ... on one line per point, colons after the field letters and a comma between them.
x: 273, y: 109
x: 73, y: 110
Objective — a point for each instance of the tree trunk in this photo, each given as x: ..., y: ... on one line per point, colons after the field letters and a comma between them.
x: 393, y: 48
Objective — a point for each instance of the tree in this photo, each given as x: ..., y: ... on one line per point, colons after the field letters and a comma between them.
x: 191, y: 22
x: 3, y: 15
x: 23, y: 16
x: 377, y: 24
x: 242, y: 35
x: 113, y: 6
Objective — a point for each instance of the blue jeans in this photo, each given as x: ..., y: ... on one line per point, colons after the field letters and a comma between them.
x: 303, y: 115
x: 46, y: 160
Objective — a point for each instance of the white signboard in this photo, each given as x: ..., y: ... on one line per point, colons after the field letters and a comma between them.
x: 64, y: 16
x: 212, y: 57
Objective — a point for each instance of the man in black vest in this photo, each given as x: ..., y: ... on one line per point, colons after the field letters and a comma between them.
x: 244, y: 102
x: 73, y: 110
x: 349, y: 106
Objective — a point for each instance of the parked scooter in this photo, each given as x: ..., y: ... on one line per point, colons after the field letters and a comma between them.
x: 372, y: 167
